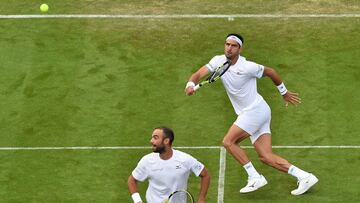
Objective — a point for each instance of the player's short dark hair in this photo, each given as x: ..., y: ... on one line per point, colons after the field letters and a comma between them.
x: 168, y: 133
x: 236, y: 35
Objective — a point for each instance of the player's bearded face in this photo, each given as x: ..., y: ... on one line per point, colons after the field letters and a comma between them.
x: 159, y: 148
x: 157, y: 141
x: 232, y: 49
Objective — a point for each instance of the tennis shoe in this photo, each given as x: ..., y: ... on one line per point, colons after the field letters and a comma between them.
x: 254, y: 184
x: 305, y: 184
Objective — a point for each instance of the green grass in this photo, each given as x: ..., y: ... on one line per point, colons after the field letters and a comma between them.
x: 109, y: 82
x: 334, y: 185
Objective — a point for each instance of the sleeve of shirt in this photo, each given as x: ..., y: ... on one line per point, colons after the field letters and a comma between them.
x: 256, y: 70
x: 215, y: 62
x: 195, y: 166
x: 140, y: 173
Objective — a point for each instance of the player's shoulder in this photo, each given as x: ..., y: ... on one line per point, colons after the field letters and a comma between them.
x: 150, y: 158
x: 243, y: 60
x: 215, y: 62
x: 247, y: 63
x: 220, y: 58
x: 181, y: 156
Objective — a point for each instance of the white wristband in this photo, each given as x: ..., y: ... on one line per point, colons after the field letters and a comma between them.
x: 136, y: 197
x: 190, y: 84
x: 282, y: 89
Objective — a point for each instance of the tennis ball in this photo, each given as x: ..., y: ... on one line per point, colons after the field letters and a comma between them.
x: 44, y: 8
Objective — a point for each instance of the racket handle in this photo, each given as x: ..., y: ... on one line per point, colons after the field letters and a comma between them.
x: 196, y: 87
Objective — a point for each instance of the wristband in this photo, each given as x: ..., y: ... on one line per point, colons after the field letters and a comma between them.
x: 282, y: 89
x: 136, y: 197
x: 190, y: 84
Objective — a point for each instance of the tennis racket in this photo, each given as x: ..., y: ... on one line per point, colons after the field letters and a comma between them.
x: 180, y: 196
x: 219, y: 71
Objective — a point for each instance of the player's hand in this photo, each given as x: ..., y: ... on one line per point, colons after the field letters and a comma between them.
x: 189, y: 91
x: 292, y: 98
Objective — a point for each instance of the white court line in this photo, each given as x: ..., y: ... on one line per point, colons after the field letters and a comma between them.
x: 176, y: 147
x: 99, y: 148
x: 344, y: 15
x: 221, y: 181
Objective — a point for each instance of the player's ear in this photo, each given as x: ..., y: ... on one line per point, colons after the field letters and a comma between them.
x: 167, y: 140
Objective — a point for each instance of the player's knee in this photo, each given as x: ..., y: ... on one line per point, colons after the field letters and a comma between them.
x: 226, y: 143
x: 266, y: 159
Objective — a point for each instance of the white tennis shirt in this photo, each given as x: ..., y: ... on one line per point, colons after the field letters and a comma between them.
x: 240, y: 81
x: 166, y: 176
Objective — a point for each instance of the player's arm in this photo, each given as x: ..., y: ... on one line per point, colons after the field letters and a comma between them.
x: 205, y: 182
x: 288, y: 96
x: 132, y: 184
x: 194, y: 79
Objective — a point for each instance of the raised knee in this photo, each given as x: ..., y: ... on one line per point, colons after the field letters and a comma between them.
x: 266, y: 159
x: 226, y: 143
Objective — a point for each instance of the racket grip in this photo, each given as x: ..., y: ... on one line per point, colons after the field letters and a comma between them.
x: 196, y: 87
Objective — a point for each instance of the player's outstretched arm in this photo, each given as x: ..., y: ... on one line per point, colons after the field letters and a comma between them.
x: 194, y: 79
x: 288, y: 96
x: 133, y: 190
x: 205, y: 182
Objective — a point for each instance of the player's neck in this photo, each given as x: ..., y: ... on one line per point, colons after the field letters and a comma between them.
x: 235, y: 59
x: 167, y: 154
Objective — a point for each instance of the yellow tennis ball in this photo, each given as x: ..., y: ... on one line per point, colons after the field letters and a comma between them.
x: 44, y: 8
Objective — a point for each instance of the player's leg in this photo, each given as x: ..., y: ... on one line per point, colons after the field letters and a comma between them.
x: 264, y: 149
x: 231, y: 142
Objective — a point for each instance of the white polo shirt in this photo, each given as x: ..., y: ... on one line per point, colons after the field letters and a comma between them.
x: 166, y: 176
x: 240, y: 81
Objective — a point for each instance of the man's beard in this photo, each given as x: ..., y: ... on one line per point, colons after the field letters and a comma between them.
x: 159, y: 149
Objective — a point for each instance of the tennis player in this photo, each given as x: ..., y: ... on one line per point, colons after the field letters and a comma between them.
x: 253, y: 112
x: 166, y: 169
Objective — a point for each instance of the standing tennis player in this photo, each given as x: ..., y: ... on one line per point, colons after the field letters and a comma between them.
x: 167, y: 170
x: 253, y: 112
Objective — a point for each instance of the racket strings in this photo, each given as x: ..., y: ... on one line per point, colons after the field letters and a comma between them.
x: 219, y: 72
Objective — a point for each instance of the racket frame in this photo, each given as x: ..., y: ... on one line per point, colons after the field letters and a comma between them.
x: 189, y: 195
x: 211, y: 78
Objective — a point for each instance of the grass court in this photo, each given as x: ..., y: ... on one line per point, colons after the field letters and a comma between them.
x: 100, y: 82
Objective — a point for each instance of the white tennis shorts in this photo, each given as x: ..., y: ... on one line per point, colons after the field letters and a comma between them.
x: 255, y: 121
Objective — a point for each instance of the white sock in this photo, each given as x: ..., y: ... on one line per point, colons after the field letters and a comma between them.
x: 298, y: 173
x: 251, y: 171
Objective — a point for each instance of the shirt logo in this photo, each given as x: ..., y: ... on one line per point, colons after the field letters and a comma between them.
x: 178, y: 167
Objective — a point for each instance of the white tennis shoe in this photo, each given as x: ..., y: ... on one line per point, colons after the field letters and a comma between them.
x: 254, y: 184
x: 305, y: 184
